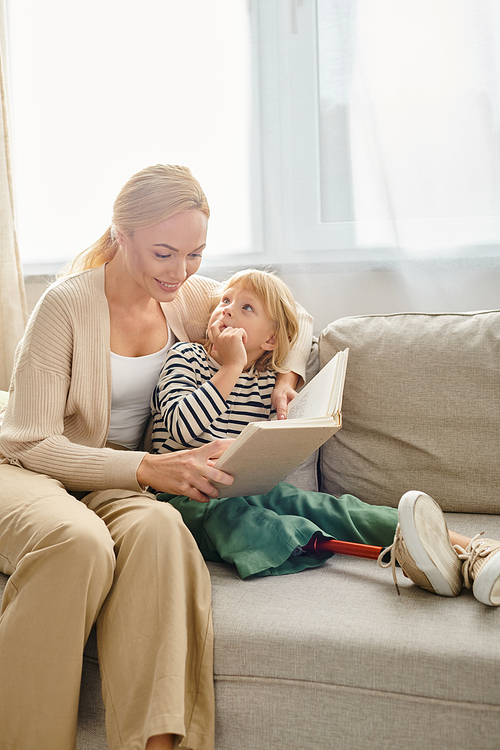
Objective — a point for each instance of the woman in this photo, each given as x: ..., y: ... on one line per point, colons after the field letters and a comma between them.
x: 81, y: 538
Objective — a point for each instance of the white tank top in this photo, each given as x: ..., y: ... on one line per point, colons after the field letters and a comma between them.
x: 133, y: 380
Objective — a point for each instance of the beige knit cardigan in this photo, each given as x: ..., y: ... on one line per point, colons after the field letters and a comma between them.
x: 57, y: 417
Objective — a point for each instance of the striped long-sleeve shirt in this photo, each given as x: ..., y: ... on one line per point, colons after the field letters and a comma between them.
x: 188, y: 411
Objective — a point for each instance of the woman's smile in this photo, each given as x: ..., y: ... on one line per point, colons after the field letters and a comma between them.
x: 171, y: 286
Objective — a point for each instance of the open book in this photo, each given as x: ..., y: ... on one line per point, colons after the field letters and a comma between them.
x: 266, y: 452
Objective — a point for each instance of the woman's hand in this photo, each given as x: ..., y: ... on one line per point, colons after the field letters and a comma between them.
x: 284, y: 392
x: 185, y: 472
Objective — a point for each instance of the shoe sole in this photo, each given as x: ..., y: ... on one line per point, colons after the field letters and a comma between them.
x: 443, y: 559
x: 486, y: 588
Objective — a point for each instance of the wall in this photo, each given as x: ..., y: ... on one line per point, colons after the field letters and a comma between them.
x: 329, y: 291
x: 334, y: 290
x: 35, y: 287
x: 331, y: 295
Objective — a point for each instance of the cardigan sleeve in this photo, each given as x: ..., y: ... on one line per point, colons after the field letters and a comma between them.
x: 188, y: 316
x: 56, y: 419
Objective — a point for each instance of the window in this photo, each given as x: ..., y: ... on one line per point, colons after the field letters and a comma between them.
x: 380, y: 122
x: 100, y: 90
x: 319, y: 129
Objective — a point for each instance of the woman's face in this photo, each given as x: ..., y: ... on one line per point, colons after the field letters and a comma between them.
x: 160, y: 258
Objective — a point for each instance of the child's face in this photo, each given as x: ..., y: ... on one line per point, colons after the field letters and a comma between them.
x: 241, y: 308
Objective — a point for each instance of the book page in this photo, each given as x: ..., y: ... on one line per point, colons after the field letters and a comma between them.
x: 322, y: 396
x: 338, y: 386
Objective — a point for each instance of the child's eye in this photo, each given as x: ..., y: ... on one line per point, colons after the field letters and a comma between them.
x: 248, y: 307
x: 225, y: 301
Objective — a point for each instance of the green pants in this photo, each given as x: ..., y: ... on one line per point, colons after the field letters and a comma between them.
x: 263, y: 534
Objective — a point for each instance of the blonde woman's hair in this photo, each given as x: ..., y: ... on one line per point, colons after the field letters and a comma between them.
x: 152, y: 195
x: 279, y: 305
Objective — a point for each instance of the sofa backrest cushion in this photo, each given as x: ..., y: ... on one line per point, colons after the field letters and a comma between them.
x: 421, y: 409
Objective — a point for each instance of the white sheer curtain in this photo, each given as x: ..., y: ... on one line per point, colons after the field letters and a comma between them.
x: 409, y: 100
x: 13, y: 313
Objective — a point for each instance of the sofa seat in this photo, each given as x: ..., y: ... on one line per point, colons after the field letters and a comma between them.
x: 321, y: 658
x: 327, y: 657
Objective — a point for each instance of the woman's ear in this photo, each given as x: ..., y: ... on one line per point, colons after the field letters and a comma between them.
x: 270, y: 344
x: 120, y: 237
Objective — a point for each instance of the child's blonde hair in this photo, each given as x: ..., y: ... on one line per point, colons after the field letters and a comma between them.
x: 279, y: 305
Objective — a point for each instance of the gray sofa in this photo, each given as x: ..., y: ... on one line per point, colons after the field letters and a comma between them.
x: 333, y: 658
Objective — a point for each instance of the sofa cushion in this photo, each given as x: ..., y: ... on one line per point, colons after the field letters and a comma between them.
x: 333, y: 656
x: 421, y: 409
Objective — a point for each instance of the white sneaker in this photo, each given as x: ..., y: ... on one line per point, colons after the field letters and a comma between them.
x: 422, y: 546
x: 481, y: 569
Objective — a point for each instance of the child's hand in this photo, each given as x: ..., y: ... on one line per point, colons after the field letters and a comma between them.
x: 228, y: 344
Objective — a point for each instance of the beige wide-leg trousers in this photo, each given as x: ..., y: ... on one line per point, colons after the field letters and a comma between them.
x: 127, y: 562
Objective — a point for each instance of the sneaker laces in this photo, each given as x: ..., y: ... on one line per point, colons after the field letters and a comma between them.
x: 470, y: 555
x: 398, y: 538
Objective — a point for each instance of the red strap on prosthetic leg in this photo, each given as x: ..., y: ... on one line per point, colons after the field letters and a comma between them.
x: 353, y: 549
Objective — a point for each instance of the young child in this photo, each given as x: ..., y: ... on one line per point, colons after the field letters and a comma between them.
x: 213, y: 390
